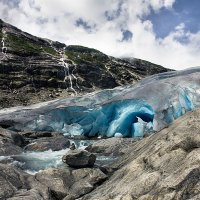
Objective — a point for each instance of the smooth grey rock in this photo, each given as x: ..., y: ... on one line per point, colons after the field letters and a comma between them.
x: 111, y: 146
x: 79, y: 158
x: 163, y: 166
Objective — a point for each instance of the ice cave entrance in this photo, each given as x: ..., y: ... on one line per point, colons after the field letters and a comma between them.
x: 125, y: 118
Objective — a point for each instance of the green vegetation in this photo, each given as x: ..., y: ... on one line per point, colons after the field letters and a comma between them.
x: 50, y: 50
x: 81, y: 54
x: 22, y: 45
x: 81, y: 49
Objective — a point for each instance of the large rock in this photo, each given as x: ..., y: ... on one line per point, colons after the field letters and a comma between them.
x: 17, y: 185
x: 70, y: 184
x: 44, y: 144
x: 163, y: 166
x: 79, y: 158
x: 10, y: 142
x: 41, y: 134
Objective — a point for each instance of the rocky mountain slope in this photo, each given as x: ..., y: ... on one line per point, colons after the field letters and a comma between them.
x: 33, y: 69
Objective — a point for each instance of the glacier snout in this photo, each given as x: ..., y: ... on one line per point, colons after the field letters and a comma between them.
x: 128, y: 117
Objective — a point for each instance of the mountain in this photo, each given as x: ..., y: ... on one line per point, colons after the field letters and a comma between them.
x: 34, y: 69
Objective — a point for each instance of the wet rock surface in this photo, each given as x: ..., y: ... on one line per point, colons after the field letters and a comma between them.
x: 79, y: 158
x: 33, y: 69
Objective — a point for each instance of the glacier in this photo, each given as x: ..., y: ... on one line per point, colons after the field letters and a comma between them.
x: 128, y: 111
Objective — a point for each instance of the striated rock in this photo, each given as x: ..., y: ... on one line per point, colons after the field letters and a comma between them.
x: 163, y: 166
x: 58, y: 180
x: 85, y: 180
x: 111, y: 146
x: 79, y: 158
x: 44, y: 144
x: 17, y: 185
x: 31, y: 194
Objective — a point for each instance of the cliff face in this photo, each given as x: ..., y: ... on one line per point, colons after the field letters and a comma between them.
x: 33, y: 69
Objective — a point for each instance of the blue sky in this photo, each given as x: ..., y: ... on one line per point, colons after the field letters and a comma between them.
x: 165, y: 32
x: 182, y: 11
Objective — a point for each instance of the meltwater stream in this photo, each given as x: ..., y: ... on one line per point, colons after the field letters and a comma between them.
x: 33, y: 162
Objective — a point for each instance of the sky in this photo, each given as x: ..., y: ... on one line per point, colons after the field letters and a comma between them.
x: 165, y: 32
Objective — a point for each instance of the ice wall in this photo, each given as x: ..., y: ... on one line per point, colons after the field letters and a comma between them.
x: 128, y: 111
x: 127, y: 117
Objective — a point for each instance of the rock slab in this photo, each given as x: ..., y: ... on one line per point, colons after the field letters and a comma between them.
x: 79, y: 158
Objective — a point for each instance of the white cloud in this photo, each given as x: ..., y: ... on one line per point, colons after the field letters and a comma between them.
x: 56, y: 19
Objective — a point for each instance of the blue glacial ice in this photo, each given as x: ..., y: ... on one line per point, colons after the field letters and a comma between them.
x: 105, y: 120
x: 129, y: 111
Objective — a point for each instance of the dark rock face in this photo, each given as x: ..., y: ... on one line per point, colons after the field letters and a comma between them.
x: 10, y: 142
x: 145, y: 68
x: 33, y: 69
x: 41, y: 134
x: 79, y: 159
x: 70, y: 184
x: 44, y: 144
x: 16, y: 184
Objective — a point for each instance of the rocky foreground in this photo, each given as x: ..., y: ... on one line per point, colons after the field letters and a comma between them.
x: 162, y: 166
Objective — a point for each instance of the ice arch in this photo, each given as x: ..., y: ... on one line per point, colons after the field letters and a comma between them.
x: 130, y: 118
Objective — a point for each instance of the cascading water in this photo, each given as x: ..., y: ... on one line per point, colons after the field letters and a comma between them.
x: 66, y: 68
x: 67, y: 72
x: 4, y: 48
x: 33, y: 162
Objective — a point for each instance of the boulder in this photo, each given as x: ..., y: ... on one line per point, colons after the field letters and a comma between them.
x: 59, y: 181
x: 70, y: 184
x: 41, y: 134
x: 79, y: 158
x: 44, y: 144
x: 10, y: 142
x: 15, y: 184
